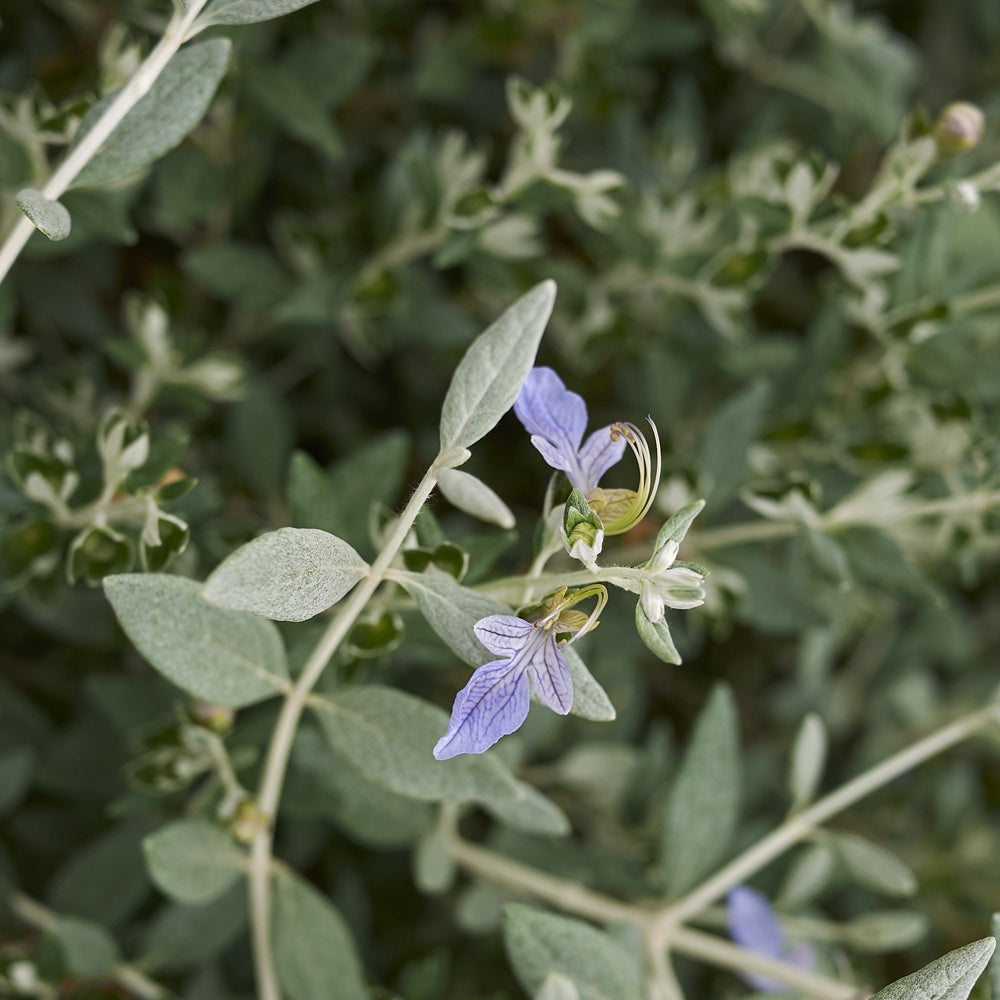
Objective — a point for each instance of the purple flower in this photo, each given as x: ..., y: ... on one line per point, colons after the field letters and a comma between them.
x: 753, y: 925
x: 556, y: 419
x: 495, y: 701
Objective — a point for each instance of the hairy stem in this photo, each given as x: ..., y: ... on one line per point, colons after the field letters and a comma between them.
x: 130, y: 95
x: 280, y: 746
x: 801, y: 825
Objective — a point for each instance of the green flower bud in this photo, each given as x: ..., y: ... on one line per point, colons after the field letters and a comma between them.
x: 958, y: 128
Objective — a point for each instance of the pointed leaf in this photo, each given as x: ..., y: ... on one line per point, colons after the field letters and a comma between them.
x: 490, y: 375
x: 289, y: 575
x: 808, y: 759
x: 452, y: 610
x: 539, y: 944
x: 873, y: 866
x: 192, y: 860
x: 703, y: 807
x: 473, y: 496
x: 231, y: 658
x: 656, y: 637
x: 88, y: 949
x: 47, y: 216
x: 314, y: 952
x: 389, y: 735
x: 949, y: 978
x: 248, y: 11
x: 174, y: 104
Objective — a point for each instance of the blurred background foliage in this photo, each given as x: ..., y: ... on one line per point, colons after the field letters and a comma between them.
x: 726, y: 192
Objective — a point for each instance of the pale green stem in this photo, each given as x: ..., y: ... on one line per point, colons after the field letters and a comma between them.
x: 574, y: 898
x: 133, y: 981
x: 276, y: 762
x: 801, y: 825
x: 130, y: 95
x: 721, y: 953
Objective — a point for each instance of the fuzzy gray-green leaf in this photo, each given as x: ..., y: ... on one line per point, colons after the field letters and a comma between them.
x: 489, y: 376
x: 540, y: 943
x: 47, y: 216
x: 314, y: 951
x: 192, y: 860
x: 231, y: 658
x: 703, y: 807
x: 389, y: 737
x: 174, y: 104
x: 248, y: 11
x: 288, y: 575
x: 951, y: 977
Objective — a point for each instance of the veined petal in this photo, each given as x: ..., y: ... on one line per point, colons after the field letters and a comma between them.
x: 598, y: 454
x: 493, y: 704
x: 549, y: 673
x: 503, y: 633
x: 556, y: 458
x: 549, y: 410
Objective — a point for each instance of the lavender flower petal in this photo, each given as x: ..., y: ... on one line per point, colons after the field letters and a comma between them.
x: 493, y: 704
x: 551, y: 412
x: 549, y: 673
x: 503, y: 633
x: 753, y: 925
x: 598, y: 454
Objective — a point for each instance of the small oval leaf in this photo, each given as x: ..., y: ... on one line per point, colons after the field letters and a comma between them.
x: 474, y: 497
x: 288, y: 575
x: 47, y: 216
x: 192, y: 860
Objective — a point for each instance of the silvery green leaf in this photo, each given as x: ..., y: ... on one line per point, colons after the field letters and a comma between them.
x: 88, y: 949
x: 187, y: 935
x: 590, y: 700
x: 247, y: 11
x: 557, y: 987
x: 676, y: 526
x: 314, y: 951
x: 175, y: 103
x: 489, y: 376
x: 288, y: 575
x: 452, y: 610
x: 886, y: 930
x: 809, y: 874
x: 474, y: 497
x: 656, y: 637
x: 231, y: 658
x: 994, y: 972
x: 808, y: 759
x: 47, y: 216
x: 540, y: 943
x: 192, y: 860
x: 389, y: 735
x: 873, y: 866
x: 433, y: 865
x: 704, y: 805
x: 531, y: 811
x: 949, y: 978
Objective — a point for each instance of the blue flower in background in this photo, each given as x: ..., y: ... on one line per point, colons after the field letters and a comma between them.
x: 556, y: 419
x: 495, y: 701
x: 753, y: 925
